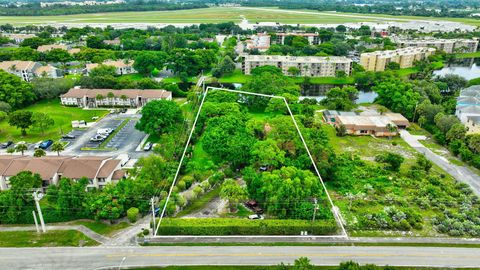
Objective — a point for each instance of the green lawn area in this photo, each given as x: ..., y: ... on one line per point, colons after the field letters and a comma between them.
x: 102, y: 228
x: 68, y: 238
x: 220, y: 14
x: 200, y: 203
x: 467, y: 55
x: 134, y: 76
x: 60, y: 114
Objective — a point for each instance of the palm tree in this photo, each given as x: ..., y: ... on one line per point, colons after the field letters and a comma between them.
x: 39, y: 153
x: 21, y: 147
x: 391, y: 129
x: 99, y: 97
x: 110, y: 96
x: 58, y: 147
x: 123, y: 98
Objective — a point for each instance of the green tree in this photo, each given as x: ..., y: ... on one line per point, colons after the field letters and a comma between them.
x: 42, y: 121
x: 146, y: 62
x: 393, y: 66
x: 102, y: 71
x: 303, y: 263
x: 14, y: 91
x: 341, y: 98
x: 233, y: 192
x: 160, y: 116
x: 21, y: 120
x: 293, y: 71
x: 393, y: 161
x: 58, y: 147
x: 58, y: 55
x: 21, y: 147
x: 267, y: 153
x: 398, y: 96
x: 39, y: 153
x: 473, y: 141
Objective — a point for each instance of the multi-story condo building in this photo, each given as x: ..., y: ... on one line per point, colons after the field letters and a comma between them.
x: 259, y: 41
x: 312, y: 66
x: 447, y: 45
x: 406, y: 57
x: 98, y: 170
x: 121, y: 66
x: 27, y: 70
x: 93, y: 98
x: 313, y: 38
x: 18, y: 38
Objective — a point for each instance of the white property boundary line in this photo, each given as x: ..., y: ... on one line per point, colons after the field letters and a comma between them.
x: 335, y: 212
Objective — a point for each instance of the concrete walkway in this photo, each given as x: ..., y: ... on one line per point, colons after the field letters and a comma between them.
x: 460, y: 173
x: 91, y: 234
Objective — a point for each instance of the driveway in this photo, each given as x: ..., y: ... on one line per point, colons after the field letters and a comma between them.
x: 460, y: 173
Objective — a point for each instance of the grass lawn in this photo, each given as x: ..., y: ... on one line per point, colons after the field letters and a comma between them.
x: 102, y: 228
x: 68, y: 238
x: 60, y: 114
x: 467, y: 55
x: 200, y: 203
x: 134, y: 76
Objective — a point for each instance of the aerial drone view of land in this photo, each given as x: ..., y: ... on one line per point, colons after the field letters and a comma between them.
x: 239, y: 134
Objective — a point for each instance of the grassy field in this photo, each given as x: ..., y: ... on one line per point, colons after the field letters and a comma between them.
x: 68, y: 238
x: 102, y: 228
x: 60, y: 114
x: 221, y: 14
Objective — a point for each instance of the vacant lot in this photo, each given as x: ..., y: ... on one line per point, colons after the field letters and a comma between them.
x: 69, y: 238
x: 60, y: 114
x: 219, y: 14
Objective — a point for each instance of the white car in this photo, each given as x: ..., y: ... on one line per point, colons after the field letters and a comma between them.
x: 256, y: 216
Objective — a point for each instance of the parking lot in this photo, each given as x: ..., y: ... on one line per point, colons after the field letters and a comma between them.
x: 124, y: 140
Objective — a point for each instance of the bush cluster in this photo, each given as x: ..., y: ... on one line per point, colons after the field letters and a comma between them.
x: 230, y: 226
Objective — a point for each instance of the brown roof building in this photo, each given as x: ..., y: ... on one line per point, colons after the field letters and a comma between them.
x: 93, y: 98
x: 98, y: 170
x: 122, y: 67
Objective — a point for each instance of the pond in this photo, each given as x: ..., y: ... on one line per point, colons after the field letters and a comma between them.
x: 315, y: 91
x: 468, y: 68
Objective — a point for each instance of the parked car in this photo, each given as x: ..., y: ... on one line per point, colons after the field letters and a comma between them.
x: 37, y: 145
x: 68, y: 137
x: 98, y: 138
x: 6, y: 144
x: 147, y: 146
x: 45, y: 144
x: 256, y: 216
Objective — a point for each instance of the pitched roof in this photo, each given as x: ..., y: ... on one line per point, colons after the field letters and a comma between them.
x: 114, y: 63
x: 129, y: 93
x: 46, y: 48
x: 118, y: 174
x: 81, y: 167
x: 46, y: 167
x: 47, y: 69
x: 19, y: 65
x: 108, y: 168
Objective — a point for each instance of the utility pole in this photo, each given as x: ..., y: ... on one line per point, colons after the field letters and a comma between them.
x: 315, y: 208
x: 37, y: 197
x: 36, y: 222
x: 152, y: 201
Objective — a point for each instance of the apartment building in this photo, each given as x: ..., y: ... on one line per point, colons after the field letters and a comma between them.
x: 311, y: 66
x: 259, y: 41
x: 22, y: 69
x: 406, y: 57
x: 18, y: 38
x: 100, y: 171
x: 122, y: 67
x: 313, y: 38
x: 93, y: 98
x: 468, y: 108
x: 446, y: 45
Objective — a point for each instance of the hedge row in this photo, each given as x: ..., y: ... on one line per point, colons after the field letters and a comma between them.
x: 233, y: 226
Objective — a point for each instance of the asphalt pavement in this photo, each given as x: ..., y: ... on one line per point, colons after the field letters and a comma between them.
x: 111, y: 257
x: 460, y: 173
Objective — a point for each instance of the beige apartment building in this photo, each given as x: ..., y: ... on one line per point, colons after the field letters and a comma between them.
x: 122, y: 67
x: 311, y: 66
x: 313, y: 38
x: 446, y: 45
x: 406, y: 57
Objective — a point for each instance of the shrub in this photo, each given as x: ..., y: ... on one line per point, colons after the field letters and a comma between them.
x: 231, y: 226
x: 146, y: 232
x: 188, y: 179
x: 181, y: 185
x: 132, y: 214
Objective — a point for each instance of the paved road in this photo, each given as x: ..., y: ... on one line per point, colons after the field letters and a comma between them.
x: 460, y: 173
x: 102, y: 257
